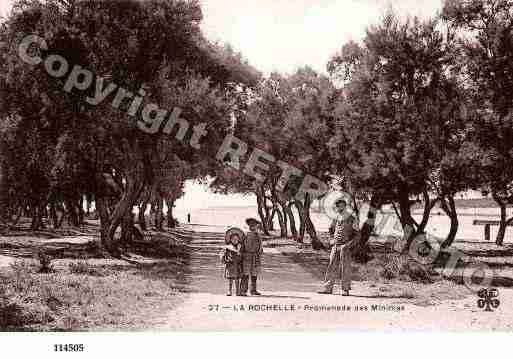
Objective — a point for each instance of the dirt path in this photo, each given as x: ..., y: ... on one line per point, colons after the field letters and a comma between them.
x: 289, y: 301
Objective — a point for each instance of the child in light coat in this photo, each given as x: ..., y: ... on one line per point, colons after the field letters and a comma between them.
x: 232, y: 261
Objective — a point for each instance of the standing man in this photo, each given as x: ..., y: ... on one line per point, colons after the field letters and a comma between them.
x: 189, y: 218
x: 251, y: 252
x: 345, y: 231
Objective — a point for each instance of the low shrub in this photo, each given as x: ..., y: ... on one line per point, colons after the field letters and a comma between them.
x: 417, y: 272
x: 45, y: 262
x: 20, y: 304
x: 82, y: 267
x: 391, y: 267
x: 404, y: 268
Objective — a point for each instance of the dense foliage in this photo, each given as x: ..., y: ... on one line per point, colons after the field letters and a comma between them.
x: 416, y: 112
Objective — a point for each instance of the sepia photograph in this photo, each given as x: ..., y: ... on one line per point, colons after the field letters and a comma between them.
x: 236, y: 166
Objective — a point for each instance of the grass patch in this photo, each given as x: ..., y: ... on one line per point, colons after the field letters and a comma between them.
x: 396, y: 266
x: 82, y: 297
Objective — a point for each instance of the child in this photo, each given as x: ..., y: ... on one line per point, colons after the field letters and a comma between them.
x: 232, y: 259
x: 251, y: 258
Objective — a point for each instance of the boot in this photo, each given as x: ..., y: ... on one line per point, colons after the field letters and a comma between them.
x: 230, y: 285
x: 254, y: 286
x: 244, y: 286
x: 237, y: 287
x: 327, y: 289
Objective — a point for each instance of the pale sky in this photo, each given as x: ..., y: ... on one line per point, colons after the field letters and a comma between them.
x: 5, y: 5
x: 282, y: 35
x: 285, y: 34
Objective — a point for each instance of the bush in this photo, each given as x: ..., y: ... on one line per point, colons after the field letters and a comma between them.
x: 417, y: 272
x: 11, y: 315
x: 94, y: 249
x: 19, y: 298
x: 45, y: 262
x: 83, y: 267
x: 402, y: 267
x: 391, y: 267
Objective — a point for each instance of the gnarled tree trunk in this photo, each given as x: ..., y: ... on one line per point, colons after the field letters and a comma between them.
x: 102, y: 207
x: 37, y: 218
x: 141, y: 218
x: 127, y: 229
x: 81, y: 212
x: 504, y: 221
x: 449, y: 207
x: 53, y: 215
x: 171, y: 221
x: 133, y: 188
x: 285, y: 221
x: 71, y: 212
x: 283, y: 227
x: 302, y: 220
x: 143, y: 206
x: 408, y: 222
x: 361, y: 250
x: 304, y: 213
x: 429, y: 204
x: 159, y: 213
x: 260, y: 195
x: 292, y: 220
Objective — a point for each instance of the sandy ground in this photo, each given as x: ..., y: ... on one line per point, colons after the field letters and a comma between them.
x: 290, y: 302
x: 6, y: 261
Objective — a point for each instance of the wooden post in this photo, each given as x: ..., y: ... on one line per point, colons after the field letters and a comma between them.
x: 487, y: 232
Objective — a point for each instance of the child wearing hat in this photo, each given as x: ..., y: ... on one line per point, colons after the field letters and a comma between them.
x: 251, y: 251
x: 232, y: 260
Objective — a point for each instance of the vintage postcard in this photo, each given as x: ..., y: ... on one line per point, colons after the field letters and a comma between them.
x: 227, y: 165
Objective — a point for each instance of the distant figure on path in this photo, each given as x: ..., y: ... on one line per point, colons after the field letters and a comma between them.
x: 232, y: 260
x: 251, y: 251
x: 189, y: 218
x: 344, y: 233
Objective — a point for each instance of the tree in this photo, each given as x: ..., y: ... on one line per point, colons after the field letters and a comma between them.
x: 492, y: 159
x: 400, y: 106
x: 156, y: 46
x: 290, y: 118
x: 487, y: 43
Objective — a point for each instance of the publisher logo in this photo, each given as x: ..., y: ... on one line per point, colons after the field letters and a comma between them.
x: 488, y: 299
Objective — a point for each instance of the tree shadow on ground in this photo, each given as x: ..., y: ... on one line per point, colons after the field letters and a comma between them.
x: 178, y: 272
x: 311, y: 262
x: 57, y: 250
x: 28, y: 244
x: 490, y: 253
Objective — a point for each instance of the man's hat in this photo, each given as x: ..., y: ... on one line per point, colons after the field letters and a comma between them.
x: 252, y: 222
x: 229, y: 233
